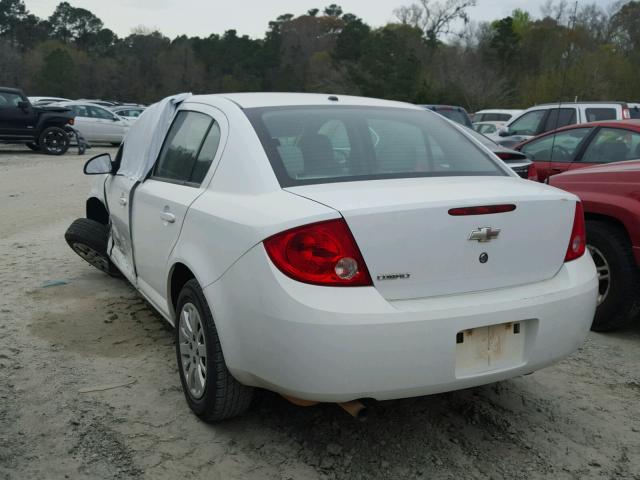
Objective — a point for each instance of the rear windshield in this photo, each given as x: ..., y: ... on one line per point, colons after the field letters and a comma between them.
x: 308, y: 145
x: 492, y: 117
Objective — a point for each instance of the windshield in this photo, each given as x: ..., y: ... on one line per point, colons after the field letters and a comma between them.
x: 308, y: 145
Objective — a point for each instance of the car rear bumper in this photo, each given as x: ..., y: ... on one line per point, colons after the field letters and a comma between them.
x: 337, y: 344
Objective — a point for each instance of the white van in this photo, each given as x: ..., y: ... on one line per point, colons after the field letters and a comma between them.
x: 546, y: 117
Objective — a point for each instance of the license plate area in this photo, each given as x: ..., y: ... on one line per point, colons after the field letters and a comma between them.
x: 495, y: 347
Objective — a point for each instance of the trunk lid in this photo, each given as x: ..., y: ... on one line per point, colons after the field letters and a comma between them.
x: 414, y: 248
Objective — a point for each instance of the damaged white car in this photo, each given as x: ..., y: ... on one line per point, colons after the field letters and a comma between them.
x: 335, y: 249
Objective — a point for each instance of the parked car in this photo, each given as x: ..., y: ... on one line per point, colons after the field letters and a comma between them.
x: 634, y: 110
x: 609, y: 194
x: 579, y: 146
x: 457, y: 114
x: 128, y: 112
x: 97, y: 124
x: 41, y: 128
x: 487, y: 128
x: 495, y: 115
x: 544, y: 118
x: 46, y: 100
x: 516, y: 161
x: 335, y: 248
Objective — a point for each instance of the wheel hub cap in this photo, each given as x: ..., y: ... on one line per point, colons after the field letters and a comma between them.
x: 604, y: 273
x: 193, y: 350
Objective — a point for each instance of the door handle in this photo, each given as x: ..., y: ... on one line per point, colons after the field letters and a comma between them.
x: 168, y: 217
x: 122, y: 200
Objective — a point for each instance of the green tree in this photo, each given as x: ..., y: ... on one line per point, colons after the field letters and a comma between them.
x: 57, y: 74
x: 74, y: 24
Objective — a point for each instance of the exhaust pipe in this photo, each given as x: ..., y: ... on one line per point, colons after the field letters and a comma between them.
x: 355, y: 408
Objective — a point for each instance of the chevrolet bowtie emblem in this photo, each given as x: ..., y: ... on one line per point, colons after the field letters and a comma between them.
x: 484, y: 234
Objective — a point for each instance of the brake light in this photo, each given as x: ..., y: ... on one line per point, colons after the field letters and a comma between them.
x: 323, y: 253
x: 532, y: 173
x: 626, y: 113
x: 578, y: 240
x: 482, y: 210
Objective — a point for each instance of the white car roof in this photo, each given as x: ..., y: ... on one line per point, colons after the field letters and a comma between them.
x: 500, y: 110
x: 255, y: 100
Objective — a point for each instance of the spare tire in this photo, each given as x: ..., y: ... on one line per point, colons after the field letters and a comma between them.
x: 89, y: 239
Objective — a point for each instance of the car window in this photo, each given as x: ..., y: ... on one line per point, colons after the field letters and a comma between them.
x: 9, y: 100
x: 561, y: 147
x: 634, y: 111
x: 80, y: 110
x: 455, y: 115
x: 487, y: 128
x: 527, y: 124
x: 598, y: 114
x: 308, y: 145
x: 97, y: 112
x: 613, y: 145
x: 559, y: 117
x: 494, y: 117
x: 206, y: 155
x: 177, y: 159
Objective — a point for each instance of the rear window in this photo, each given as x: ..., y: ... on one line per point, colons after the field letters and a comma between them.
x: 492, y: 117
x: 634, y: 111
x: 308, y: 145
x: 599, y: 114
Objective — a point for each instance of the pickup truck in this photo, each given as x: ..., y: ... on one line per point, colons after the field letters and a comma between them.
x: 41, y: 128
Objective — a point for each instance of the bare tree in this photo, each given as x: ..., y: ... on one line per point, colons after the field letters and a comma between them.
x: 434, y: 18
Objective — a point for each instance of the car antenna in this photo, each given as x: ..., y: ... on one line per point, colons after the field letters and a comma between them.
x: 564, y: 74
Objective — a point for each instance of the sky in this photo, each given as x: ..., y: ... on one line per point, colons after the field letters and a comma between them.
x: 250, y: 17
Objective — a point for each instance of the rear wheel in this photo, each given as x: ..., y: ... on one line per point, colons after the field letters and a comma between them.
x: 54, y: 141
x: 209, y: 388
x: 88, y: 239
x: 618, y: 276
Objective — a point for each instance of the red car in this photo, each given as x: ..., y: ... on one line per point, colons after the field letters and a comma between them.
x: 611, y: 198
x: 583, y: 145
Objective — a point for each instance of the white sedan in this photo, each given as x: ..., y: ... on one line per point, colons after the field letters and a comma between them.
x: 97, y: 124
x: 333, y: 249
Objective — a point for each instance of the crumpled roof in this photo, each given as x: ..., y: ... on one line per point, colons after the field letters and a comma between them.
x: 144, y: 139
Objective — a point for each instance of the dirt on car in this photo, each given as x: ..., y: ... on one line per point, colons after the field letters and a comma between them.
x: 89, y: 386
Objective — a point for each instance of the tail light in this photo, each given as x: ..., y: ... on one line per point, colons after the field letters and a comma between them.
x: 578, y: 240
x: 323, y: 253
x: 481, y: 210
x: 532, y: 173
x: 626, y: 113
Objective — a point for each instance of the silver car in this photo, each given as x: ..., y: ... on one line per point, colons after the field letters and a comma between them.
x: 97, y: 124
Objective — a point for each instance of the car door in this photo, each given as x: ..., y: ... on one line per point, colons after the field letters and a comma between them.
x: 610, y: 145
x: 554, y: 153
x: 161, y: 202
x: 109, y: 127
x: 15, y: 121
x: 84, y: 122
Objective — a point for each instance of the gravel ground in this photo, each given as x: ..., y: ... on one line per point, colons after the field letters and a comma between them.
x: 66, y: 330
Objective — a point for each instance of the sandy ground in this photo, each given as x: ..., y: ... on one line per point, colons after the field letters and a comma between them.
x: 66, y: 328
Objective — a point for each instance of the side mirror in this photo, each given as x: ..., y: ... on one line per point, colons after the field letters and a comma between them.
x: 504, y: 132
x: 99, y: 165
x: 23, y: 105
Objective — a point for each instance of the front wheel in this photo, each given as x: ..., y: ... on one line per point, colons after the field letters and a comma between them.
x: 54, y: 141
x: 618, y: 276
x: 209, y: 388
x: 89, y: 239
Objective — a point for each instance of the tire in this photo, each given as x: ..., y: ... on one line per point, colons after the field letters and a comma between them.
x: 88, y: 239
x: 54, y: 141
x: 33, y: 146
x: 218, y: 396
x: 612, y: 253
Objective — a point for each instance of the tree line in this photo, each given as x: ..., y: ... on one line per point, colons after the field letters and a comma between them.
x: 432, y: 53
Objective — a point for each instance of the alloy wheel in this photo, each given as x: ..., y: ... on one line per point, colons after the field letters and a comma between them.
x: 193, y: 350
x: 604, y: 273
